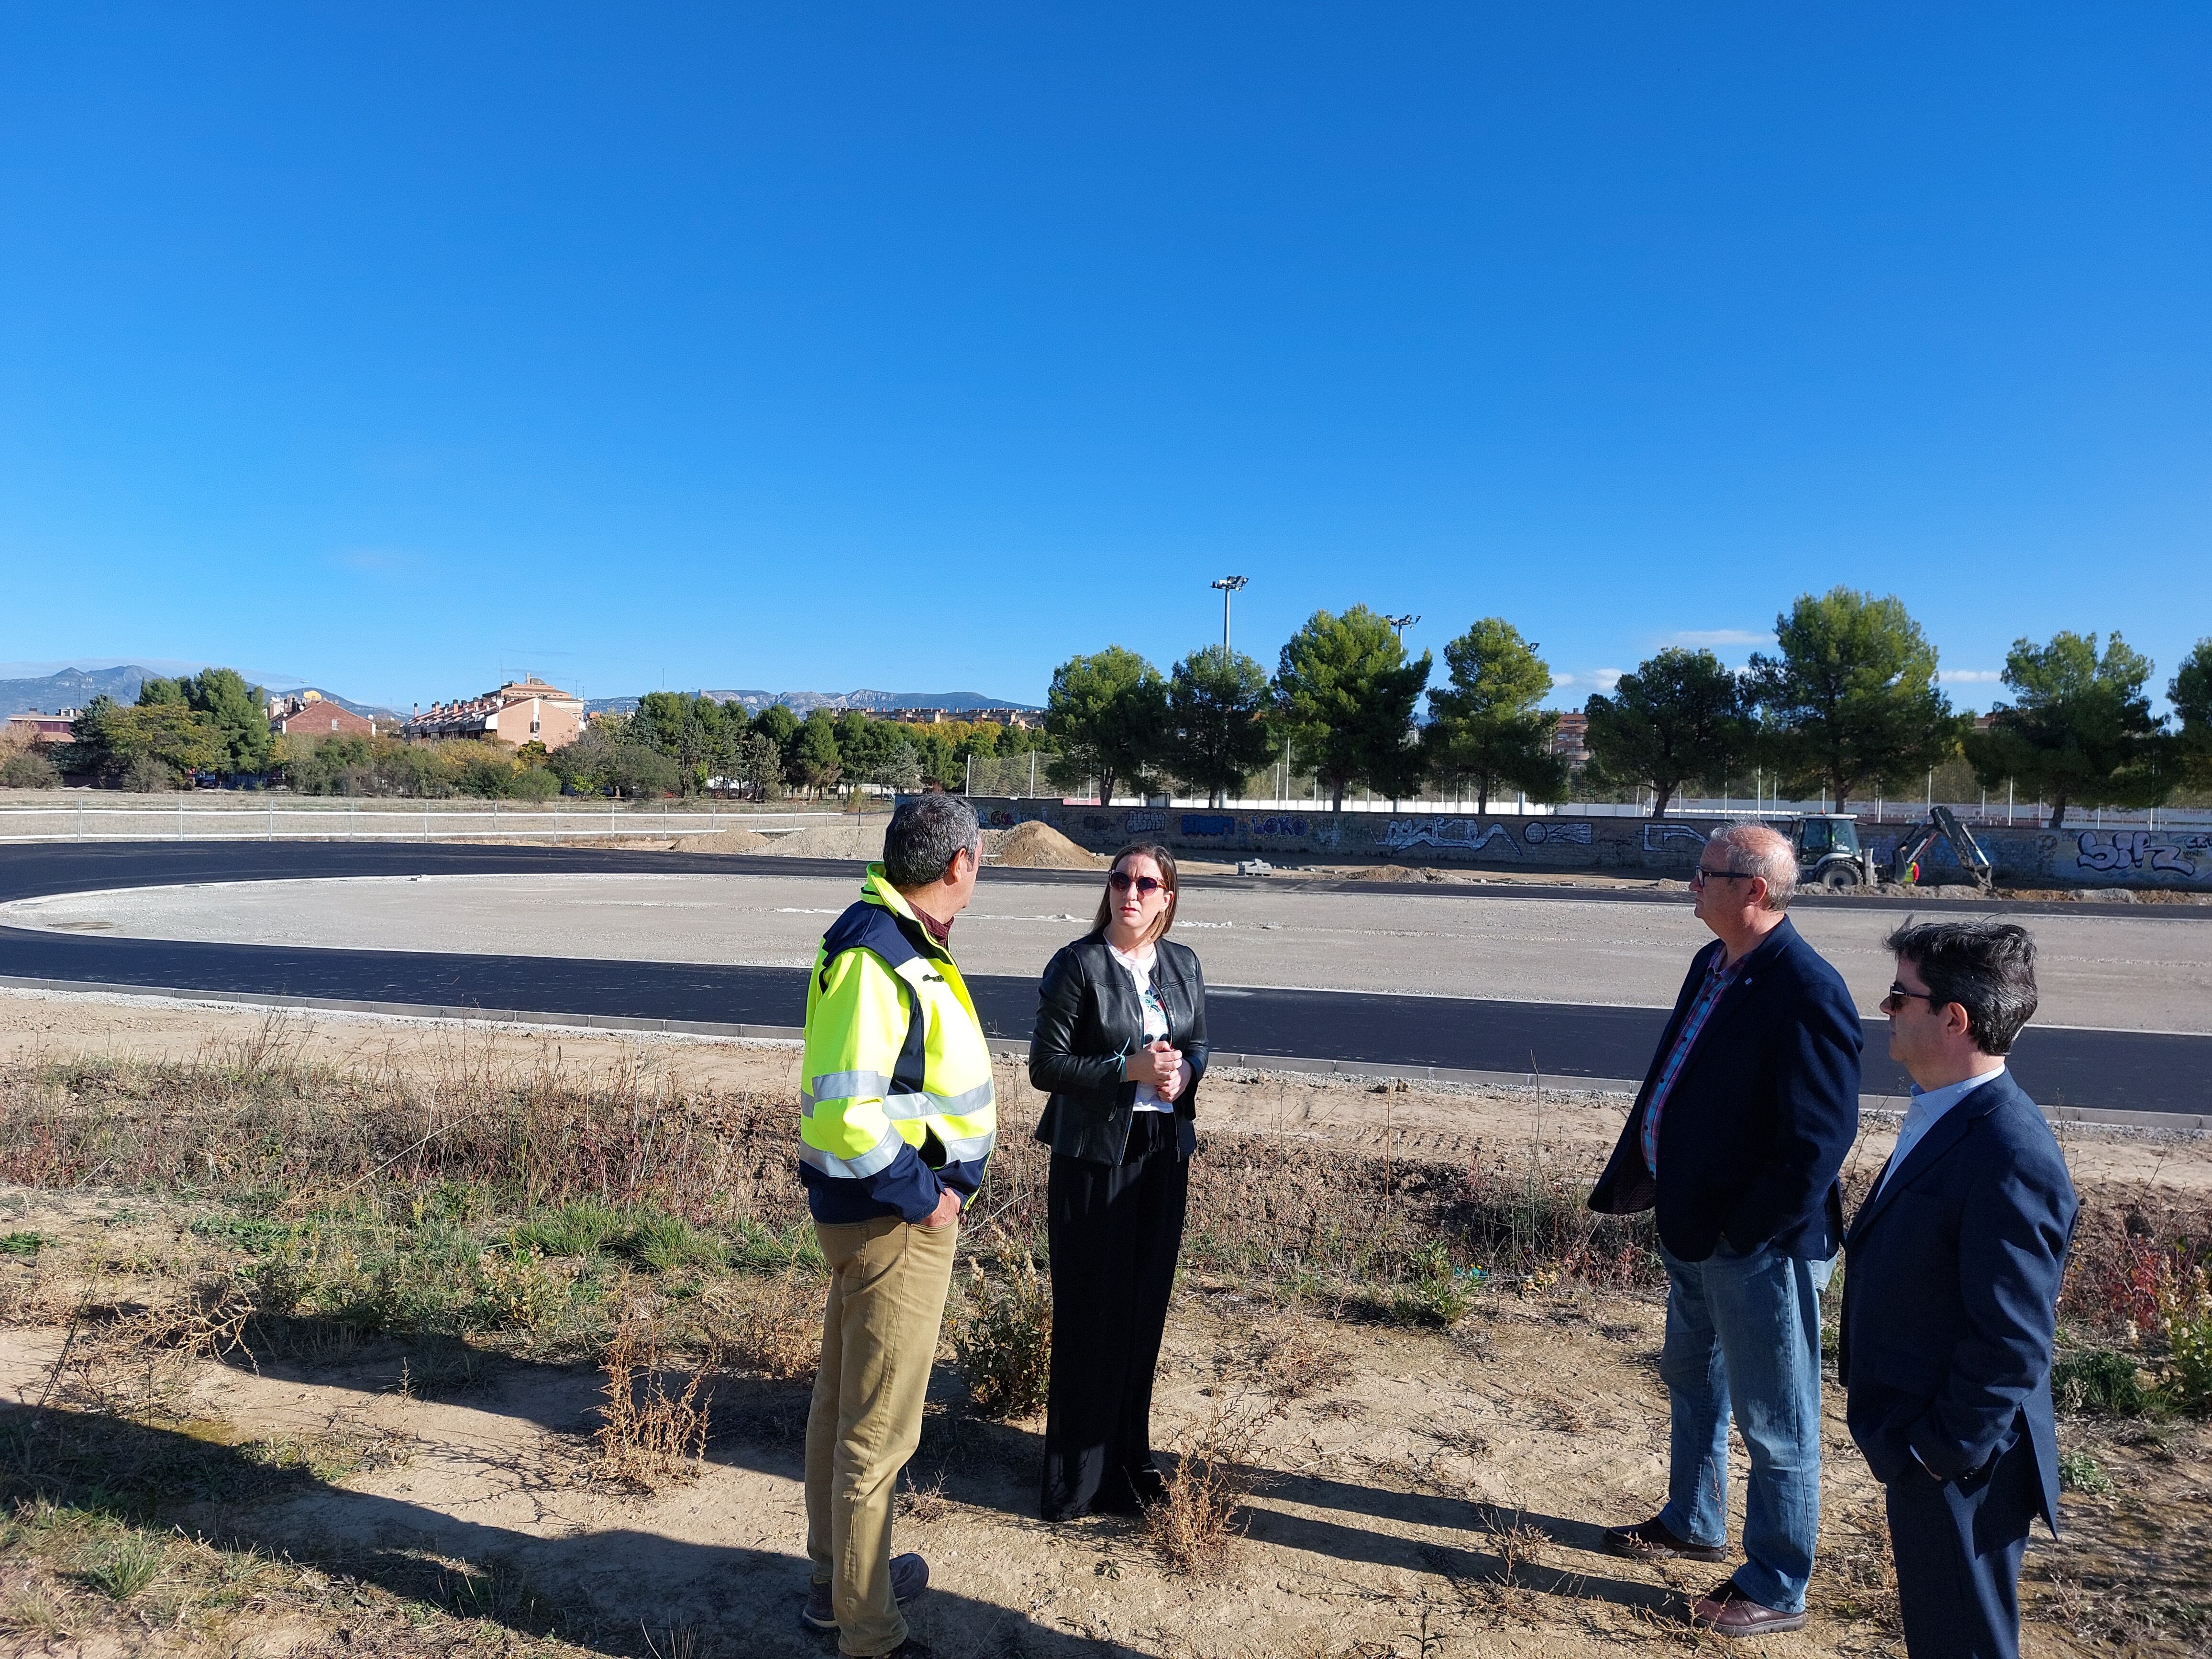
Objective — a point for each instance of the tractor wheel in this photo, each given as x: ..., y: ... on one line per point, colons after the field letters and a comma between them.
x: 1840, y: 877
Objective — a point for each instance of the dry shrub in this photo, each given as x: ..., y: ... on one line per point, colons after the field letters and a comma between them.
x: 137, y: 1361
x: 1293, y: 1358
x: 647, y: 1437
x: 1196, y: 1526
x: 770, y: 1328
x: 1004, y: 1337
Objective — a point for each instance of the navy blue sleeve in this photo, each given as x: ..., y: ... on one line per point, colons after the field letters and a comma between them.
x: 2013, y: 1234
x: 1817, y: 1111
x: 909, y: 1185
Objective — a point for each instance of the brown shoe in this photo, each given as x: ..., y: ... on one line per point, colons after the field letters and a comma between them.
x: 1729, y: 1612
x: 1650, y: 1541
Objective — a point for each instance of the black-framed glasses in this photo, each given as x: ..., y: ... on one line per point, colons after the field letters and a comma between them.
x: 1899, y: 996
x: 1122, y: 881
x: 1700, y: 875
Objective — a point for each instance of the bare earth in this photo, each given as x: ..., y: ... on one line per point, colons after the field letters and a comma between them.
x: 1425, y: 1495
x: 2151, y: 972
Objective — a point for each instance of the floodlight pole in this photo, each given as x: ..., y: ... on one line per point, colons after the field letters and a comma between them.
x: 1228, y: 585
x: 1400, y: 624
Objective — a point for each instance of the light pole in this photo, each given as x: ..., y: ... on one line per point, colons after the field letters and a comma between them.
x: 1400, y: 624
x: 1228, y: 585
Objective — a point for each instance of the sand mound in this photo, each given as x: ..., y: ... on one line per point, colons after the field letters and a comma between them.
x: 1395, y: 872
x: 863, y: 841
x: 726, y: 840
x: 1039, y: 847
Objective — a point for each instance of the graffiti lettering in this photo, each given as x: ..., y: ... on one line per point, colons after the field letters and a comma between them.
x: 1278, y: 825
x: 1658, y: 837
x: 1542, y: 832
x: 1208, y: 823
x: 999, y: 817
x: 1147, y: 824
x: 1452, y: 834
x: 2133, y: 849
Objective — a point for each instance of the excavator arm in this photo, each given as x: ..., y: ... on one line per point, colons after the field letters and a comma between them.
x: 1943, y: 824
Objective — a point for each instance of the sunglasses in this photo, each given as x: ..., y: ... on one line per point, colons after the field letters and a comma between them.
x: 1899, y: 996
x: 1122, y: 881
x: 1700, y: 875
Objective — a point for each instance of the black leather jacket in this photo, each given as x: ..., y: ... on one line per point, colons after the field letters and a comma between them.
x: 1088, y: 1023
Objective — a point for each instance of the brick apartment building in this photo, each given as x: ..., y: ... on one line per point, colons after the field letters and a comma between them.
x: 522, y: 711
x: 1570, y: 742
x: 44, y: 729
x: 311, y: 715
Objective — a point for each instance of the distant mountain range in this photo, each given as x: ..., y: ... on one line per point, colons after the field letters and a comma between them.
x: 805, y: 702
x: 73, y: 688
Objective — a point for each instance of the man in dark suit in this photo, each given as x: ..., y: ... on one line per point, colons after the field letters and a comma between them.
x: 1744, y: 1119
x: 1953, y: 1292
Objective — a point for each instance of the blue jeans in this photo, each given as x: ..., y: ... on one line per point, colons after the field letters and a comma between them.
x: 1743, y: 1337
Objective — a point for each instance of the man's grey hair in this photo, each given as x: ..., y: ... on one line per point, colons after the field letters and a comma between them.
x: 1987, y: 968
x: 925, y: 833
x: 1753, y: 849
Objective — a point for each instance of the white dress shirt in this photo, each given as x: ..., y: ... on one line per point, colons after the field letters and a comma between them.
x: 1139, y: 968
x: 1927, y: 1106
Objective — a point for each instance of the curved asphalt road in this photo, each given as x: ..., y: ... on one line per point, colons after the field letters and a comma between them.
x: 2124, y: 1070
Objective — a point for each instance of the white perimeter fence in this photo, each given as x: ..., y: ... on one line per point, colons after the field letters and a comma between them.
x: 194, y: 818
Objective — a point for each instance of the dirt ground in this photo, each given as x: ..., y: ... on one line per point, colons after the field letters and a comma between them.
x: 1420, y: 1494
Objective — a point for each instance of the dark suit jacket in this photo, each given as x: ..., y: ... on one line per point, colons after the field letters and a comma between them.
x: 1760, y: 1116
x: 1950, y: 1295
x: 1088, y: 1022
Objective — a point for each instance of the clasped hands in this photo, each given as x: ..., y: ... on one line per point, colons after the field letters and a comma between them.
x: 1159, y: 1065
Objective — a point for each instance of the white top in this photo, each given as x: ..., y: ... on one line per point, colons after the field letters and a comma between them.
x: 1139, y: 967
x: 1920, y: 1117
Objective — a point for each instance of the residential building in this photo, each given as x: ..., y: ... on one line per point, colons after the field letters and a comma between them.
x: 312, y: 714
x: 43, y: 728
x: 1571, y: 740
x: 522, y: 711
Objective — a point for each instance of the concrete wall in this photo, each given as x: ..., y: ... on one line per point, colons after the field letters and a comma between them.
x: 1669, y: 846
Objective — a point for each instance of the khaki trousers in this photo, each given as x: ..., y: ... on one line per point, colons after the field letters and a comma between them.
x: 888, y: 1281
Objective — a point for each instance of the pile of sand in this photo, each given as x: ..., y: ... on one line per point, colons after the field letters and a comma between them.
x: 863, y: 841
x: 726, y: 840
x: 1038, y: 846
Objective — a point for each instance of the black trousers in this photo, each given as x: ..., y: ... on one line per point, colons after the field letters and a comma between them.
x: 1115, y: 1233
x: 1958, y: 1546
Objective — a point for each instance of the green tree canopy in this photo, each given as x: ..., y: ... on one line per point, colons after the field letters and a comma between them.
x: 2189, y: 691
x: 157, y: 689
x: 1484, y: 725
x: 1107, y: 713
x: 608, y: 757
x: 697, y: 733
x: 154, y: 744
x: 1346, y: 692
x: 815, y: 756
x: 1216, y: 697
x: 1680, y: 718
x: 780, y: 727
x: 2080, y: 730
x: 1851, y: 703
x: 237, y: 712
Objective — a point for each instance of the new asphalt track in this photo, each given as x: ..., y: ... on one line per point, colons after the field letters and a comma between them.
x: 2133, y: 1071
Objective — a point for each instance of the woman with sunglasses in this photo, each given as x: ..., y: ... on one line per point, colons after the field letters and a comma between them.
x: 1120, y: 1048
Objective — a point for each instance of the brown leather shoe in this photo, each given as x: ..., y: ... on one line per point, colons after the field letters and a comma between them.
x: 1649, y: 1541
x: 1729, y: 1612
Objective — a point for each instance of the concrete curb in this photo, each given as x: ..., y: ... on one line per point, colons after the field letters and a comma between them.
x: 1007, y: 1048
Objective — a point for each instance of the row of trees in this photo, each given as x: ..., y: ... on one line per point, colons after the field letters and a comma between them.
x: 1847, y: 704
x: 212, y: 721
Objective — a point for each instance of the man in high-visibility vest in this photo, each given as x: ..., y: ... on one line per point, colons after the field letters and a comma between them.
x: 896, y: 1121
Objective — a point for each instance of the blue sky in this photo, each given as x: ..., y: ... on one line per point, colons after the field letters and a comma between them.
x: 920, y: 348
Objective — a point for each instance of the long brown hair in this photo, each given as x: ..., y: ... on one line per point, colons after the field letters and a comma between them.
x: 1159, y: 855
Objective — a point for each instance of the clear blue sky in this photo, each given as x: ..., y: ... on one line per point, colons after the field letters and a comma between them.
x: 816, y: 347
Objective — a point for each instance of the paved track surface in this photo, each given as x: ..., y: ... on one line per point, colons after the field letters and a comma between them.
x: 2135, y: 1071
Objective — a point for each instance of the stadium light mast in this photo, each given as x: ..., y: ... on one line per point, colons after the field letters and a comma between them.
x: 1228, y: 585
x: 1400, y: 624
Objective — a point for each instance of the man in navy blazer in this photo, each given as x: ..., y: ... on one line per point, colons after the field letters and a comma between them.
x: 1744, y: 1117
x: 1951, y: 1296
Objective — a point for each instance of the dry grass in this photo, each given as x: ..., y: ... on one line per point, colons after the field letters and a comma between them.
x: 1195, y: 1527
x: 1003, y: 1338
x: 769, y: 1327
x: 649, y: 1437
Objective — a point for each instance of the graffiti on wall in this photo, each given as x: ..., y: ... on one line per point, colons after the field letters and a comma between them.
x: 1147, y: 824
x: 1669, y: 837
x: 1451, y: 835
x: 2118, y: 850
x: 1208, y: 823
x: 1279, y: 824
x: 1547, y: 833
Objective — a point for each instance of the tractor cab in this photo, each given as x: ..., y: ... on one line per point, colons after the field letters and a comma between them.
x: 1831, y: 832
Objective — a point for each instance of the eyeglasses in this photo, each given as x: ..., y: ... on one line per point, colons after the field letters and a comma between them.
x: 1122, y: 881
x: 1899, y: 996
x: 1700, y: 875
